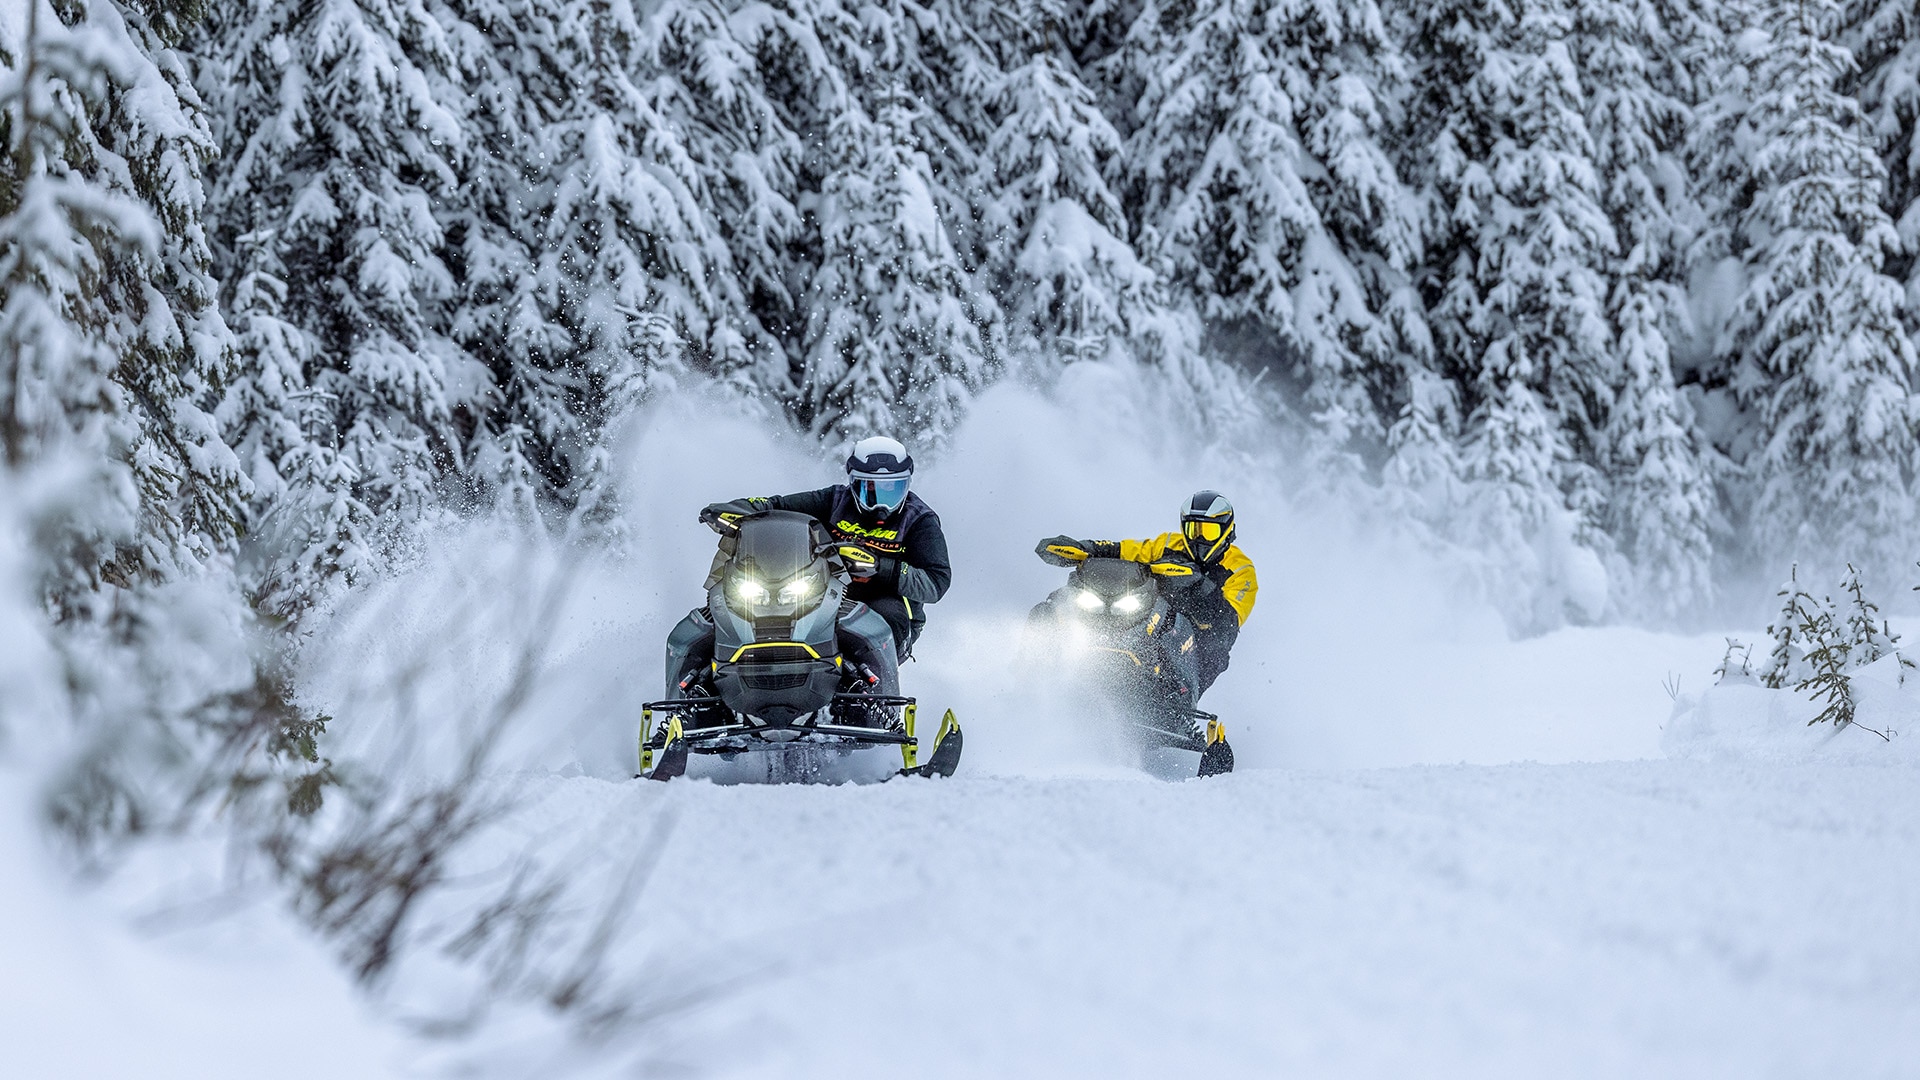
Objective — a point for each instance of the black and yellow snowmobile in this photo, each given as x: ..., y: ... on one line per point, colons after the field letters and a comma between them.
x: 780, y: 677
x: 1114, y: 624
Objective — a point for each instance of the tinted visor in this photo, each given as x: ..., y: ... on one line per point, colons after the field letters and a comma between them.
x: 879, y: 492
x: 1208, y: 531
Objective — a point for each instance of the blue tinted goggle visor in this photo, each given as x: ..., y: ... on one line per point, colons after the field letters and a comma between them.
x: 879, y: 492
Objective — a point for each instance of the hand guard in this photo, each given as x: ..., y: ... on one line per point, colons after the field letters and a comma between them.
x: 1178, y: 573
x: 860, y: 561
x: 1061, y: 551
x: 724, y: 517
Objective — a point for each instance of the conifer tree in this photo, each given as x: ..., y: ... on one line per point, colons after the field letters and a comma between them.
x: 590, y: 265
x: 891, y: 341
x: 113, y: 352
x: 1660, y: 505
x: 1884, y: 37
x: 1517, y: 243
x: 342, y: 138
x: 1816, y: 348
x: 1258, y: 184
x: 1072, y: 282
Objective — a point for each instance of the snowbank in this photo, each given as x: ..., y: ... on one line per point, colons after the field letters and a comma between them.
x: 1739, y: 720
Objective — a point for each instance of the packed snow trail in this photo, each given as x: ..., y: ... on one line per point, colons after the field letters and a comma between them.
x: 1631, y: 919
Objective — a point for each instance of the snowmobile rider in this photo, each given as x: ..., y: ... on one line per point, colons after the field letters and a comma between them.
x: 1217, y: 599
x: 889, y: 538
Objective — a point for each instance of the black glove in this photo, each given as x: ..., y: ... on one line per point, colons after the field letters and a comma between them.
x: 1061, y: 551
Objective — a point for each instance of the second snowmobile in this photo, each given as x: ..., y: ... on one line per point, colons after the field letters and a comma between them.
x: 1114, y: 619
x: 780, y: 677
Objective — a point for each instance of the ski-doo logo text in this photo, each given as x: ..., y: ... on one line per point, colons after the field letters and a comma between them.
x: 853, y: 528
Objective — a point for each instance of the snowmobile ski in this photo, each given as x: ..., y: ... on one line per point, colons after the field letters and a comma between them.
x: 669, y: 759
x: 1217, y: 758
x: 947, y: 743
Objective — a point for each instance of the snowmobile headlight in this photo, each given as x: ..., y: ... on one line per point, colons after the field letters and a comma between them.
x: 1129, y: 603
x: 801, y: 588
x: 1089, y: 600
x: 749, y: 590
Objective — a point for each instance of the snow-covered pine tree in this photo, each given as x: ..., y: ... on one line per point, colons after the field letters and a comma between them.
x: 1868, y: 636
x: 112, y: 350
x: 1785, y: 655
x: 1517, y: 246
x: 891, y: 343
x: 342, y: 136
x: 1661, y: 502
x: 591, y: 267
x: 1258, y: 185
x: 1073, y: 286
x: 717, y: 80
x: 1816, y: 347
x: 1884, y: 37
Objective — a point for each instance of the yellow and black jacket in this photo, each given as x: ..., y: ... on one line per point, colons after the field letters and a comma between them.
x: 1222, y: 609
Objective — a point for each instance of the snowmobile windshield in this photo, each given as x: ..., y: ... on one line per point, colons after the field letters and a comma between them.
x: 1115, y: 590
x: 775, y: 562
x: 880, y: 491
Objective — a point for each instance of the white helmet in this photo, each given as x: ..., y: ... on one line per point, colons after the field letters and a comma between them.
x: 879, y: 470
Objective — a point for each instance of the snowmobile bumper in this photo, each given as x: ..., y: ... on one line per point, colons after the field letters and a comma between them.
x: 665, y: 751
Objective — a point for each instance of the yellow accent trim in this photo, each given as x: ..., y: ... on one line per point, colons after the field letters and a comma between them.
x: 1153, y: 622
x: 1067, y: 552
x: 1187, y: 645
x: 1128, y: 653
x: 1170, y: 569
x: 909, y: 605
x: 646, y: 752
x: 858, y: 529
x: 1216, y: 732
x: 745, y: 649
x: 910, y: 750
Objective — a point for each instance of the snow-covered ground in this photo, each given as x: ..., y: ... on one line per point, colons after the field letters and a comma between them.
x: 1646, y: 918
x: 1446, y: 852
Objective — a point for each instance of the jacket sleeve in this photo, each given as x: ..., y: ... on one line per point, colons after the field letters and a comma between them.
x: 814, y: 504
x: 925, y: 571
x: 1241, y: 586
x: 1140, y: 551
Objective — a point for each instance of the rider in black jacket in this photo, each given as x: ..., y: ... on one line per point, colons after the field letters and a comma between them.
x: 889, y: 537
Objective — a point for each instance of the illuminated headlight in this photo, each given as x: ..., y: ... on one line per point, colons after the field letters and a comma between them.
x: 800, y: 589
x: 1089, y: 600
x: 749, y: 590
x: 1129, y: 603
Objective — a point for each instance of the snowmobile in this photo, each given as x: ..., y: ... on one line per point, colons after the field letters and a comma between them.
x: 1114, y: 620
x: 781, y: 677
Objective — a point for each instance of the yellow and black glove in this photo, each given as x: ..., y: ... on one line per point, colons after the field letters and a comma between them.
x: 1061, y: 551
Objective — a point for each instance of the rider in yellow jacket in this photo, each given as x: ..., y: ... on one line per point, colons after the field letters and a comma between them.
x: 1222, y: 594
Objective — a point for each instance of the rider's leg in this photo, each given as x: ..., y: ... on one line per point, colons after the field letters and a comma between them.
x: 866, y: 638
x: 689, y: 648
x: 894, y: 610
x: 1213, y: 647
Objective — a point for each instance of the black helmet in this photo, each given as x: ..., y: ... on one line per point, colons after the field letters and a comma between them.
x: 879, y: 470
x: 1207, y: 522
